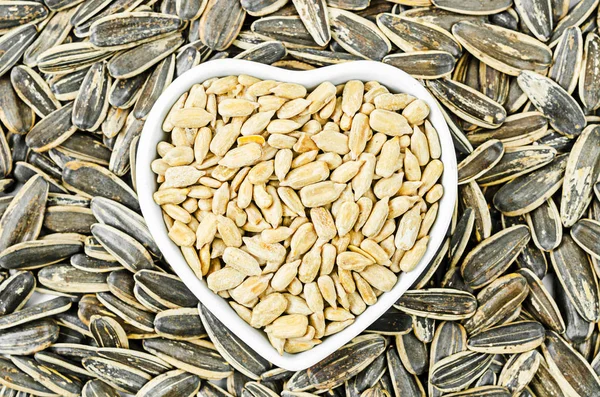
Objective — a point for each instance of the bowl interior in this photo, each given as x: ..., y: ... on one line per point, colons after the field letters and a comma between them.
x: 394, y: 79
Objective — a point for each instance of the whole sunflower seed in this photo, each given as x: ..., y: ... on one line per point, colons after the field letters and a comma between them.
x: 459, y: 370
x: 128, y: 251
x: 585, y: 233
x: 13, y: 44
x: 589, y: 77
x: 517, y: 161
x: 423, y: 64
x: 90, y: 180
x: 259, y: 8
x: 70, y: 57
x: 14, y: 14
x: 14, y: 113
x: 517, y: 337
x: 52, y: 379
x: 233, y: 349
x: 443, y: 18
x: 91, y: 105
x: 124, y: 30
x: 22, y: 220
x: 186, y: 60
x: 529, y: 191
x: 490, y: 258
x: 472, y: 197
x: 576, y: 15
x: 156, y: 83
x: 554, y: 102
x: 124, y: 92
x: 540, y: 303
x: 401, y: 379
x: 438, y: 303
x: 567, y: 59
x: 467, y: 103
x: 289, y: 30
x: 137, y: 359
x: 28, y: 338
x: 358, y: 35
x: 54, y: 33
x: 414, y: 35
x: 314, y: 15
x: 581, y: 173
x: 568, y: 367
x: 120, y: 376
x: 181, y: 324
x: 574, y: 270
x: 195, y: 358
x: 68, y: 219
x: 220, y: 23
x: 167, y: 289
x: 476, y: 164
x: 33, y: 90
x: 15, y: 291
x: 97, y: 388
x: 577, y: 329
x: 267, y: 52
x: 138, y: 318
x: 392, y: 322
x: 180, y: 382
x: 66, y: 278
x: 66, y: 86
x: 14, y: 379
x: 413, y: 353
x: 35, y: 312
x: 60, y: 364
x: 352, y: 358
x: 107, y: 332
x: 23, y: 172
x: 545, y: 226
x: 52, y: 130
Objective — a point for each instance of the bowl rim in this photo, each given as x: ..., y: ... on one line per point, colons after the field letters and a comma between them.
x: 391, y: 77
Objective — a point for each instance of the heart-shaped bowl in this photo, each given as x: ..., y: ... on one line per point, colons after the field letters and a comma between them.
x: 395, y: 80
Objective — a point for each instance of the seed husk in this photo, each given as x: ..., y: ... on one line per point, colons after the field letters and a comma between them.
x: 478, y: 163
x: 392, y: 322
x: 167, y: 289
x: 567, y: 59
x: 220, y: 23
x: 544, y: 224
x: 120, y: 376
x: 401, y: 379
x: 35, y: 312
x: 517, y: 161
x: 438, y: 303
x: 540, y: 303
x: 97, y: 388
x: 574, y: 17
x: 138, y: 318
x: 15, y: 379
x: 459, y: 370
x: 33, y: 90
x: 107, y: 332
x: 358, y: 35
x: 554, y: 102
x: 28, y: 338
x: 314, y: 16
x: 433, y: 64
x: 176, y: 381
x: 589, y: 76
x: 290, y: 30
x: 66, y: 278
x: 517, y: 337
x: 128, y: 251
x: 473, y: 7
x: 52, y: 379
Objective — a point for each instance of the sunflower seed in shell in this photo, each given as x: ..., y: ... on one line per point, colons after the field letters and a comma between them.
x: 267, y: 52
x: 97, y: 388
x: 138, y: 318
x: 438, y: 303
x: 66, y: 86
x: 13, y: 44
x: 392, y: 322
x: 545, y: 226
x: 107, y: 332
x: 60, y: 364
x: 81, y: 146
x: 554, y: 102
x: 120, y: 376
x: 5, y: 156
x: 73, y: 351
x: 137, y: 359
x: 128, y: 64
x: 54, y: 33
x: 67, y: 219
x: 92, y: 248
x: 33, y: 90
x: 472, y: 197
x: 490, y: 258
x: 148, y: 301
x: 167, y: 289
x: 585, y: 233
x: 371, y: 375
x: 567, y: 59
x: 527, y: 192
x: 72, y: 329
x: 568, y: 367
x: 186, y: 60
x: 589, y: 76
x: 52, y: 130
x: 289, y: 30
x: 533, y: 55
x: 28, y: 338
x: 23, y: 218
x: 120, y: 217
x: 52, y: 379
x: 459, y: 370
x: 128, y: 251
x: 413, y: 353
x: 124, y: 30
x: 177, y: 381
x: 220, y: 23
x: 358, y: 35
x: 70, y: 57
x: 577, y: 329
x: 449, y: 338
x: 91, y: 105
x: 92, y: 180
x: 156, y: 83
x: 581, y: 173
x: 467, y: 103
x: 440, y: 17
x: 23, y: 172
x: 15, y: 291
x: 517, y: 161
x: 15, y: 379
x: 124, y: 92
x: 208, y: 389
x: 15, y: 114
x: 481, y: 160
x: 352, y: 358
x: 181, y: 324
x: 574, y: 270
x: 423, y: 64
x: 519, y: 370
x: 474, y: 7
x: 195, y: 358
x: 233, y: 349
x: 314, y: 15
x: 540, y: 303
x: 119, y: 160
x: 412, y: 35
x: 45, y: 164
x: 322, y: 57
x: 88, y: 10
x: 66, y: 278
x: 121, y: 284
x: 259, y: 8
x: 497, y: 300
x: 35, y: 312
x: 517, y: 337
x: 402, y: 381
x: 576, y: 15
x: 14, y: 14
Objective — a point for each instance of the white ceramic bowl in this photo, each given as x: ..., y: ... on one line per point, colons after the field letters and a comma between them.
x: 394, y: 79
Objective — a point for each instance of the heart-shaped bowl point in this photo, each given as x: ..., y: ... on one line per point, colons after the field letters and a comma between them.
x: 396, y: 81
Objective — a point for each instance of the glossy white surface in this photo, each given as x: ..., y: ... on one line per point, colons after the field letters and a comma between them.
x: 392, y: 78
